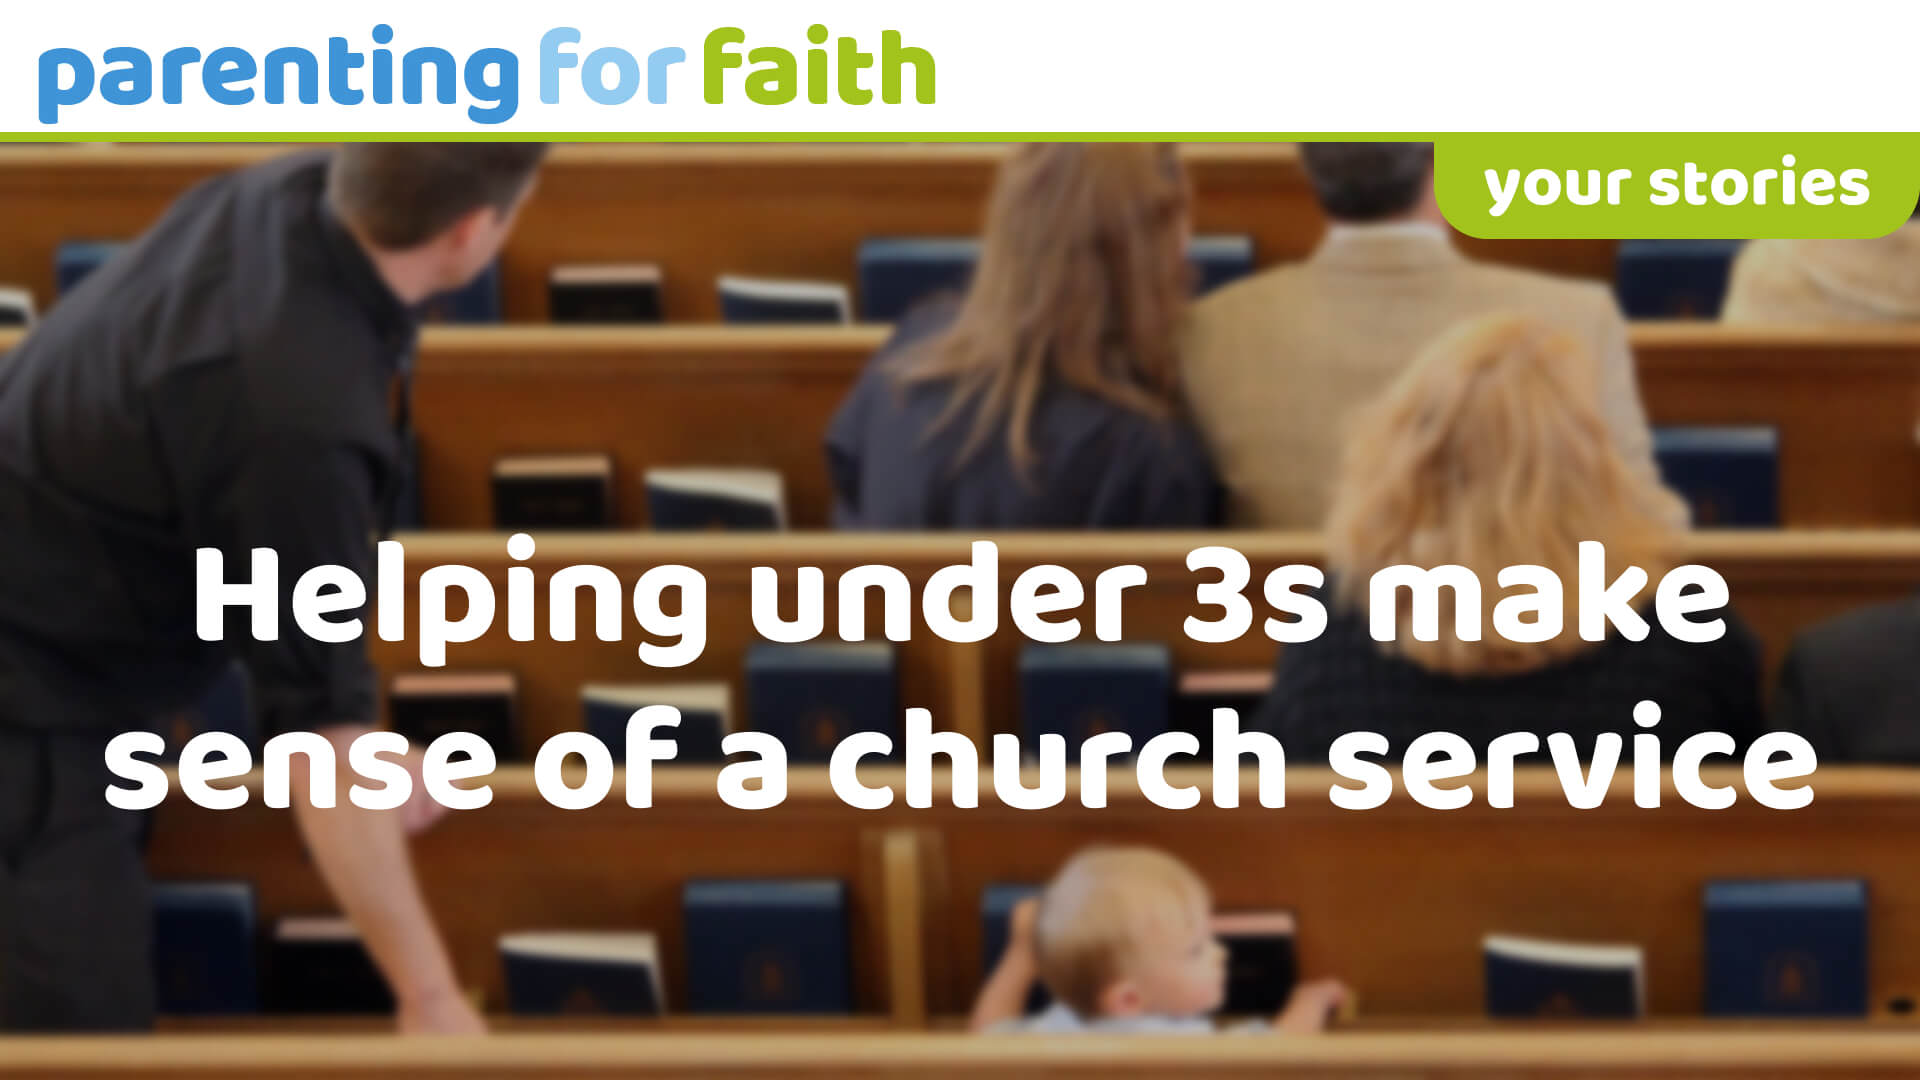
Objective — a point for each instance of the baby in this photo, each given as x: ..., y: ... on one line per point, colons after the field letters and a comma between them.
x: 1123, y: 940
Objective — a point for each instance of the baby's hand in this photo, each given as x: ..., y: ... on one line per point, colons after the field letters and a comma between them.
x: 1312, y: 1005
x: 1020, y: 922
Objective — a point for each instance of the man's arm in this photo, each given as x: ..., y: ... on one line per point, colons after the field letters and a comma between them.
x: 363, y: 856
x: 313, y: 502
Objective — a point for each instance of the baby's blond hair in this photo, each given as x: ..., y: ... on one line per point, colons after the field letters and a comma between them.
x: 1095, y: 911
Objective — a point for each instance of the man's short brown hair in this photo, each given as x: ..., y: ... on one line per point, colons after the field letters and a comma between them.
x: 399, y: 195
x: 1363, y: 182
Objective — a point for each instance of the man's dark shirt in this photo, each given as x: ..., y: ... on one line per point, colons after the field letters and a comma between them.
x: 227, y: 381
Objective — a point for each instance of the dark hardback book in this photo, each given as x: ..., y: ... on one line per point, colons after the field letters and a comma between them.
x: 783, y: 301
x: 1083, y: 689
x: 1261, y: 963
x: 898, y: 272
x: 425, y: 705
x: 1198, y: 693
x: 478, y: 301
x: 997, y: 902
x: 1673, y: 279
x: 76, y: 259
x: 1729, y: 476
x: 1219, y: 259
x: 723, y: 499
x: 551, y: 973
x: 553, y: 491
x: 767, y: 946
x: 226, y: 705
x: 706, y: 716
x: 1786, y: 948
x: 16, y: 307
x: 606, y: 293
x: 1533, y: 977
x: 204, y: 945
x: 812, y: 696
x: 318, y: 964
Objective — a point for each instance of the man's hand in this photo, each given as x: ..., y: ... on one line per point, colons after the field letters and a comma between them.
x: 362, y: 855
x: 441, y: 1014
x: 421, y: 810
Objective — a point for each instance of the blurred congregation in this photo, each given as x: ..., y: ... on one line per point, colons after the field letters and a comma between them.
x: 836, y: 356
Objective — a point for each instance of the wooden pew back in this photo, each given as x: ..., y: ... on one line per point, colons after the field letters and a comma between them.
x: 563, y: 873
x: 1779, y: 582
x: 1846, y: 404
x: 1592, y: 1055
x: 698, y: 210
x: 1395, y: 900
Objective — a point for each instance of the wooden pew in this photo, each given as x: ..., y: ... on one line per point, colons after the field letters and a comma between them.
x: 673, y: 396
x: 1395, y: 900
x: 521, y: 864
x: 613, y: 867
x: 698, y: 210
x: 1846, y: 402
x: 1780, y: 582
x: 1595, y: 1055
x: 1845, y: 399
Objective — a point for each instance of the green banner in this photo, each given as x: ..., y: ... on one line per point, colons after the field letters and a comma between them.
x: 1545, y: 185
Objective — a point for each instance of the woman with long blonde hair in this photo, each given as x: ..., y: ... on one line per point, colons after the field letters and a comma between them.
x: 1490, y: 452
x: 1047, y: 396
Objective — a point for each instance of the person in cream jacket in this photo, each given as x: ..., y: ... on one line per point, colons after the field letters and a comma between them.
x: 1276, y: 362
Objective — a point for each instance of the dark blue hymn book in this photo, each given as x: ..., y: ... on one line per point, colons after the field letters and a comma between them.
x: 897, y: 272
x: 16, y: 306
x: 1673, y: 279
x: 812, y: 696
x: 1786, y: 948
x: 318, y: 964
x: 1531, y: 977
x: 75, y: 259
x: 582, y: 972
x: 783, y: 301
x: 1220, y: 259
x: 1080, y: 690
x: 1729, y: 476
x: 705, y: 716
x: 715, y: 499
x: 1261, y: 963
x: 767, y: 946
x: 424, y: 705
x: 204, y: 948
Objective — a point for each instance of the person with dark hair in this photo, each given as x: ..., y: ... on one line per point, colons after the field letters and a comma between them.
x: 234, y: 379
x: 1049, y: 396
x: 1850, y: 687
x: 1276, y: 362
